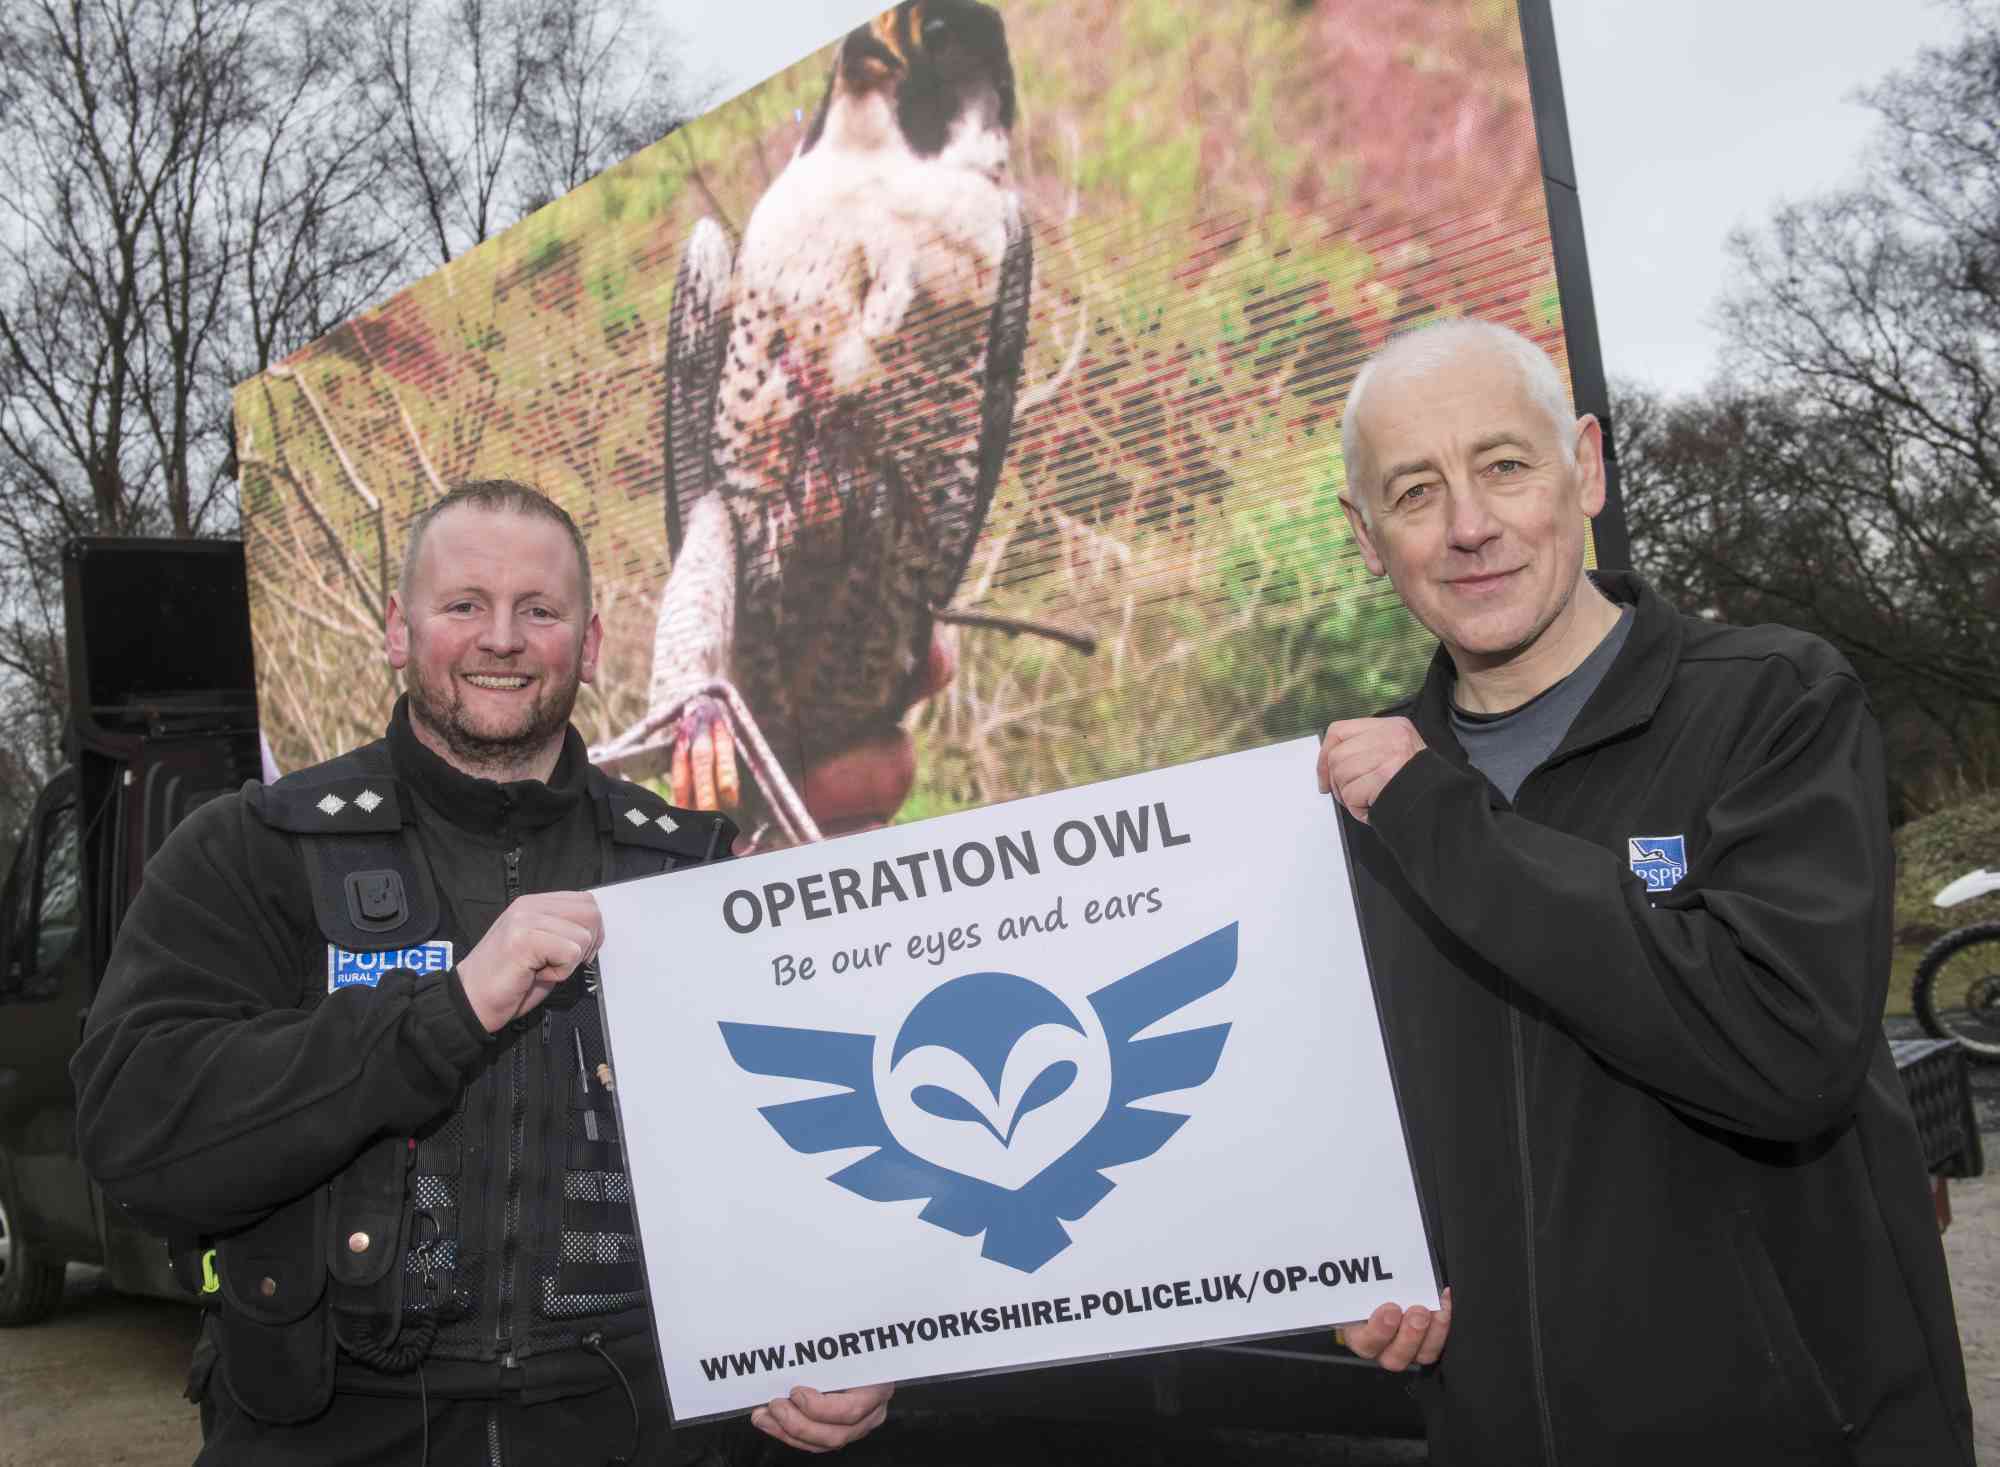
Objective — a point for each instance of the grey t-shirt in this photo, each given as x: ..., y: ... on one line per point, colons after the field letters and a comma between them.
x: 1507, y: 747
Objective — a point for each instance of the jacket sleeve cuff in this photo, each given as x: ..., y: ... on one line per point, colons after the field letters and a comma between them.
x: 1397, y: 815
x: 445, y: 1020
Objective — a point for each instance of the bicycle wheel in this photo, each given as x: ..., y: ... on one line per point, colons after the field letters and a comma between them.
x: 1957, y: 990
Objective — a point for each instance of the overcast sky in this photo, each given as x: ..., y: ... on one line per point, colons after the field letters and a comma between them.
x: 1688, y: 117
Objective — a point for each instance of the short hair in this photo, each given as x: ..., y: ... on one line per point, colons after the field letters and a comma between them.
x: 1429, y: 347
x: 494, y: 496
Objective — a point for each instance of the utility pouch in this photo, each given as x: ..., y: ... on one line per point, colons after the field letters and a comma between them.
x: 274, y: 1327
x: 366, y: 1244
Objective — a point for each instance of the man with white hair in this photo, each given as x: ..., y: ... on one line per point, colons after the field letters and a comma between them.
x: 1625, y: 880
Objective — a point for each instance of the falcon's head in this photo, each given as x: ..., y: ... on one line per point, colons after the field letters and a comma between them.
x: 931, y: 75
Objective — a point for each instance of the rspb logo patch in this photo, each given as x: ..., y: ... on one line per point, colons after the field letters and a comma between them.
x: 364, y: 970
x: 1658, y: 860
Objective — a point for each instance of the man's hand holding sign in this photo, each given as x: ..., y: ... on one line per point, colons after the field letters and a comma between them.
x: 1361, y: 755
x: 1396, y: 1338
x: 824, y: 1421
x: 535, y: 944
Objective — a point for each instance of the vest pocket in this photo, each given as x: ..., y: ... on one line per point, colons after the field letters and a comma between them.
x: 365, y: 1249
x: 274, y: 1327
x: 595, y: 1268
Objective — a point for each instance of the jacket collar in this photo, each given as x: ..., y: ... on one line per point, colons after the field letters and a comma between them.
x: 1629, y: 696
x: 484, y: 806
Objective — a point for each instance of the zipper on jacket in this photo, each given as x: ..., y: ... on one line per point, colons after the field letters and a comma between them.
x: 517, y: 1121
x: 1528, y: 1237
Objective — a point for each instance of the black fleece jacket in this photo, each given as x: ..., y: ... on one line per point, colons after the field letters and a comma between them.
x: 1668, y: 1165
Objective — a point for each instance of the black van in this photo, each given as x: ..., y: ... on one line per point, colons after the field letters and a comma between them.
x: 162, y: 715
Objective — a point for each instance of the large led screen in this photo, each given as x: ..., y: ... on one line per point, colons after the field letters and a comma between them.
x: 966, y: 395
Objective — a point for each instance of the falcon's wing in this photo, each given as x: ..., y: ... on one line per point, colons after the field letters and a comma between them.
x: 1006, y: 348
x: 697, y: 336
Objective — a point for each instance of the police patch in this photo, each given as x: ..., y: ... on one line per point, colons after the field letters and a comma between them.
x: 1658, y: 860
x: 364, y: 970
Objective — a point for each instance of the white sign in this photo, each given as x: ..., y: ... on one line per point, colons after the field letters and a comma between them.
x: 1093, y: 1072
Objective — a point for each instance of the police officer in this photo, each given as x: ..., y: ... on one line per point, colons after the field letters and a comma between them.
x: 349, y: 1049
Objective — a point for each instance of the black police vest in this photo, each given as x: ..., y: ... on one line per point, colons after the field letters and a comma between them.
x: 401, y: 1232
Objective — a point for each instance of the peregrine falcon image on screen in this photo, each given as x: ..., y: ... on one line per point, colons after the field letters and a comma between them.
x: 950, y: 417
x: 840, y: 396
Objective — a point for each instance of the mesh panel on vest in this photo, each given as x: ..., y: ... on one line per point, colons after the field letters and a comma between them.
x: 433, y: 1194
x: 597, y: 1187
x: 594, y: 1270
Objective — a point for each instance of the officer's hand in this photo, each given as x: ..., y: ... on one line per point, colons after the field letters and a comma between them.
x: 539, y: 940
x: 1394, y: 1337
x: 1361, y: 755
x: 820, y: 1421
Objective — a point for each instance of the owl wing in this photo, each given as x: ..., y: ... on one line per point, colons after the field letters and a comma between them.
x: 852, y: 1117
x: 1175, y: 1061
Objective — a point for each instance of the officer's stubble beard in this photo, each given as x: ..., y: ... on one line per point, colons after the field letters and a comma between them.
x: 498, y: 755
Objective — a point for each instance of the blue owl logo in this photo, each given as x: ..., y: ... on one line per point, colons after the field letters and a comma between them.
x: 980, y: 1026
x: 992, y: 1065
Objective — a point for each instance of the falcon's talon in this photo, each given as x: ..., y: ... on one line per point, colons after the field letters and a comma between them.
x: 704, y: 767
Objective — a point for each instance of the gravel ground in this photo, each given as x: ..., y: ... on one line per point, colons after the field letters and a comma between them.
x: 100, y: 1383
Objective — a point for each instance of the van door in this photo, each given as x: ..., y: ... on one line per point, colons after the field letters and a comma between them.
x: 44, y: 990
